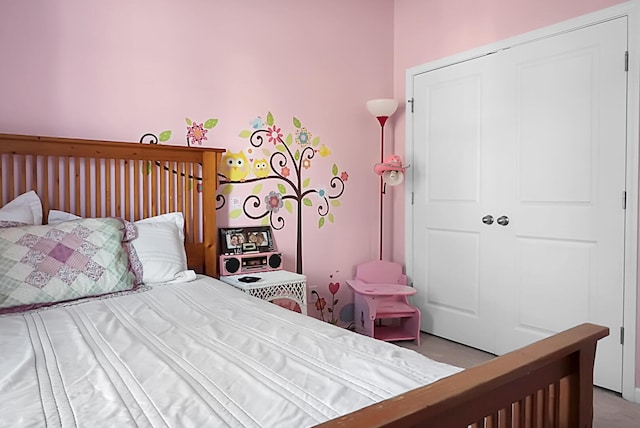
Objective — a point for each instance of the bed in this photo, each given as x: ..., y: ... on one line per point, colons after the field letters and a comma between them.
x: 200, y: 353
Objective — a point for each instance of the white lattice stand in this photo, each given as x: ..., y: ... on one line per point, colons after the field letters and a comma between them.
x: 279, y: 284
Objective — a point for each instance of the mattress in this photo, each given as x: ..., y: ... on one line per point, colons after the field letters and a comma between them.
x: 192, y: 355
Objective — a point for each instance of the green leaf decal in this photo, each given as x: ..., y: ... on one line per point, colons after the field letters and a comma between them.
x: 331, y: 219
x: 245, y: 134
x: 269, y: 119
x: 289, y: 139
x: 334, y: 169
x: 265, y: 221
x: 266, y: 153
x: 189, y: 121
x: 147, y: 168
x: 235, y: 213
x: 210, y: 123
x: 296, y: 123
x: 320, y: 222
x: 190, y: 184
x: 306, y: 182
x: 281, y: 188
x: 226, y: 189
x: 281, y: 147
x: 335, y: 203
x: 257, y: 189
x: 296, y: 156
x: 288, y: 206
x: 164, y: 136
x: 307, y: 202
x: 315, y: 141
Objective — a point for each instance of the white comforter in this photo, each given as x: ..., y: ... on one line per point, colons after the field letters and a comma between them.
x: 199, y: 354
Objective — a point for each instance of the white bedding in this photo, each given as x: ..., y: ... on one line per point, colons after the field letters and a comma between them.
x: 198, y: 354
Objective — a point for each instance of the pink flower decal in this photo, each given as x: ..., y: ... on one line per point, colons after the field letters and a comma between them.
x: 321, y: 303
x: 196, y: 133
x: 285, y: 171
x: 344, y: 176
x: 273, y: 201
x: 274, y: 134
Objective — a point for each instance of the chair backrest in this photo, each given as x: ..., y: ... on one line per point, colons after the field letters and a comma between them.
x: 381, y: 272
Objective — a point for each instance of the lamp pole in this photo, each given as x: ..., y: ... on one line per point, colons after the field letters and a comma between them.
x: 382, y: 109
x: 382, y: 120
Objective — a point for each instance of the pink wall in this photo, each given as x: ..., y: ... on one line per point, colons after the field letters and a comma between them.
x: 428, y: 30
x: 116, y: 70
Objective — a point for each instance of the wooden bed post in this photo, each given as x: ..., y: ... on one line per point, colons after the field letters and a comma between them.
x: 209, y: 188
x: 581, y: 388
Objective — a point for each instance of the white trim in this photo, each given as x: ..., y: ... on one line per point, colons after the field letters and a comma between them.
x: 630, y: 9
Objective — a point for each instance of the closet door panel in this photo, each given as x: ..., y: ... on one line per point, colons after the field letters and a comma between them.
x: 451, y: 248
x: 569, y: 104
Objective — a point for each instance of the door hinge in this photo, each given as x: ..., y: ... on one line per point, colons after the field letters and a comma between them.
x: 622, y: 335
x: 411, y: 102
x: 626, y: 61
x: 624, y: 199
x: 411, y: 198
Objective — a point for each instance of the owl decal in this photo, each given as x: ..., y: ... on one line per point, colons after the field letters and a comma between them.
x: 235, y: 166
x: 261, y: 168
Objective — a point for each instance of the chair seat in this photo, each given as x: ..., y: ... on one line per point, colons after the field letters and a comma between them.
x: 394, y: 309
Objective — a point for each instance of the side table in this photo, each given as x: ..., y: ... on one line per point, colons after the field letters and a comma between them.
x: 274, y: 286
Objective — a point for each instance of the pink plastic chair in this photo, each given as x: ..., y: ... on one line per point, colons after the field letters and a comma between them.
x: 382, y: 309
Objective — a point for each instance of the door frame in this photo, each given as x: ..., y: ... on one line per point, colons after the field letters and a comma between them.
x: 630, y: 9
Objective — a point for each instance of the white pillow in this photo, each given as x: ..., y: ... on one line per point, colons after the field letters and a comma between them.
x: 25, y: 208
x: 56, y: 216
x: 159, y: 246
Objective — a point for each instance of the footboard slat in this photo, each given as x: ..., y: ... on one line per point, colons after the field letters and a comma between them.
x: 562, y: 363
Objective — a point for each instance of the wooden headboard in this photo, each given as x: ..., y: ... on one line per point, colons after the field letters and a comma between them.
x: 93, y: 178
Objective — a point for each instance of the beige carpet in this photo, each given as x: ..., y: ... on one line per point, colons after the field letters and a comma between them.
x: 610, y: 410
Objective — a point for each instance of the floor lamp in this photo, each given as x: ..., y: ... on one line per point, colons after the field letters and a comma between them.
x: 382, y: 109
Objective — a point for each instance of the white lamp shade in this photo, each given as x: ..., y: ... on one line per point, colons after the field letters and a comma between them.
x: 393, y: 177
x: 382, y: 107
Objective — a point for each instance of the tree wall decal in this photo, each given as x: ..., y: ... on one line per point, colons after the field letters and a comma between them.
x: 284, y: 166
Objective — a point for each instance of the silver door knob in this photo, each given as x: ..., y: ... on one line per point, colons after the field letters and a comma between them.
x: 488, y: 219
x: 503, y: 221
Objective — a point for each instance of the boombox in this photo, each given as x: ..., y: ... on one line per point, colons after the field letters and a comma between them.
x: 236, y: 264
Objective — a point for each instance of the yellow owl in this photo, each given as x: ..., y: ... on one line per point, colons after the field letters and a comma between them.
x: 261, y: 168
x: 235, y: 166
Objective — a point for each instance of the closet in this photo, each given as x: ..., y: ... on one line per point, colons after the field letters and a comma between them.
x: 518, y: 216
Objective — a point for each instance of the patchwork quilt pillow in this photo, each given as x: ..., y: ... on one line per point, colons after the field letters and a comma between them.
x: 60, y: 262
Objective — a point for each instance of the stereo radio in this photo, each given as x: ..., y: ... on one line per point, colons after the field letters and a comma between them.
x: 236, y: 264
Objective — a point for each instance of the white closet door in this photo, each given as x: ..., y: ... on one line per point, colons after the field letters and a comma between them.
x: 535, y: 133
x: 454, y: 188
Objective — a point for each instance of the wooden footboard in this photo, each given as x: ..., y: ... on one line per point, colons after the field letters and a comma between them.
x: 546, y: 384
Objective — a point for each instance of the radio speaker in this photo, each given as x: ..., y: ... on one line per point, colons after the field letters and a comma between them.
x: 231, y: 265
x: 275, y: 261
